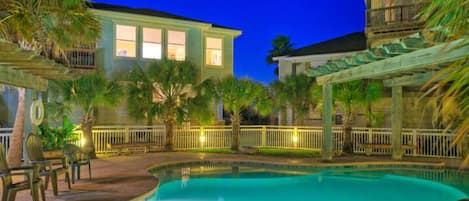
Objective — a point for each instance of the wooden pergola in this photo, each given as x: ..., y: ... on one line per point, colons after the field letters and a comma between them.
x: 410, y: 61
x: 27, y: 69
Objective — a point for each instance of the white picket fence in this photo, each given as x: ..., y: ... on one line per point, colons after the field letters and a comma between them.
x: 427, y: 142
x: 5, y: 136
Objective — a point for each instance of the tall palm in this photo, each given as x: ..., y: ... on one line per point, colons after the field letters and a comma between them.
x: 170, y: 90
x: 88, y: 92
x: 16, y: 144
x: 238, y: 94
x: 48, y: 27
x: 447, y: 21
x: 140, y: 96
x: 281, y: 45
x: 351, y: 97
x: 373, y: 92
x: 296, y: 91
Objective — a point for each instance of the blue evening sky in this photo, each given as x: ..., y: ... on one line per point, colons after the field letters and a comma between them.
x: 304, y: 21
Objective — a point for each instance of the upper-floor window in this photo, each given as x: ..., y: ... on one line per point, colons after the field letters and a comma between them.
x: 151, y: 47
x: 126, y: 37
x: 177, y: 45
x: 214, y: 51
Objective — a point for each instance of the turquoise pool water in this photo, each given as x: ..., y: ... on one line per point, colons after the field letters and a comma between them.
x: 233, y: 183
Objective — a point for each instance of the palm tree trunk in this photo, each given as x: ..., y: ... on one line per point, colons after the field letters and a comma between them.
x: 369, y: 114
x: 16, y: 143
x: 235, y: 123
x: 45, y: 99
x: 347, y: 127
x: 87, y: 127
x: 169, y: 126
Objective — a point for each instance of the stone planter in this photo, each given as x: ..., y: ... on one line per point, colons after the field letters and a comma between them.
x: 55, y: 153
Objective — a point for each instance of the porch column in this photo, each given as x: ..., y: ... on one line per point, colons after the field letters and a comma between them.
x: 327, y: 145
x: 396, y: 122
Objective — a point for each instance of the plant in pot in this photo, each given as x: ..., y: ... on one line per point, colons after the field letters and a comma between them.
x: 54, y: 138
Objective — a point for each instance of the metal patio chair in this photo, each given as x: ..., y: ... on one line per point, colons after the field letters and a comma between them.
x: 76, y: 157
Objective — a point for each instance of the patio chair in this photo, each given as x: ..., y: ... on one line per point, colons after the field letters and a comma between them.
x: 76, y: 157
x: 31, y: 180
x: 49, y: 167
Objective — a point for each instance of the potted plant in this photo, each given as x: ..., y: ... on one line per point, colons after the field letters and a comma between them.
x: 54, y: 138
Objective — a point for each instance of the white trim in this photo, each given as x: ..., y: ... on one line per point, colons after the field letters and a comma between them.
x: 315, y: 56
x: 162, y: 20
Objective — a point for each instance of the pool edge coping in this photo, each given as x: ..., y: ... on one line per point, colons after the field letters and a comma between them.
x: 142, y: 197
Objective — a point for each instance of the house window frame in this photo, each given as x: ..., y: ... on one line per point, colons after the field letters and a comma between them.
x: 115, y: 39
x: 167, y: 43
x: 222, y: 51
x: 162, y: 42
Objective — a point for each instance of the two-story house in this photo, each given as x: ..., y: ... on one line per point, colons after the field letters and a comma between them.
x: 386, y: 21
x: 136, y: 36
x: 311, y: 56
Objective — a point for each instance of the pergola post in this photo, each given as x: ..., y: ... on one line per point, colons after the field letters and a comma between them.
x: 327, y: 145
x: 396, y: 122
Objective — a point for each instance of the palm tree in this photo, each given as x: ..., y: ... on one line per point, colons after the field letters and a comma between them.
x: 351, y: 96
x: 48, y: 27
x: 447, y: 21
x: 140, y: 96
x: 373, y: 92
x: 169, y: 90
x: 296, y: 91
x: 88, y: 92
x: 238, y: 94
x: 16, y: 144
x: 281, y: 45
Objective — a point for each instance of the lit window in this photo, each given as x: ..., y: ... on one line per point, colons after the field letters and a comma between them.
x: 177, y: 45
x: 125, y: 41
x: 151, y: 48
x: 214, y: 53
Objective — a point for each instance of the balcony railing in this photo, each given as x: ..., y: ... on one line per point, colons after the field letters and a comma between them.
x: 394, y: 15
x: 82, y: 57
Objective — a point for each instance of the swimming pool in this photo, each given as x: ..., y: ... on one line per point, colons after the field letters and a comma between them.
x: 202, y: 182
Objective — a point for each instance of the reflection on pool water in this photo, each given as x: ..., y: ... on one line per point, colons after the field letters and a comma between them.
x: 236, y: 183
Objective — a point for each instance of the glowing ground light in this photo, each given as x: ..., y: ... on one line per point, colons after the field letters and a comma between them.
x: 295, y: 139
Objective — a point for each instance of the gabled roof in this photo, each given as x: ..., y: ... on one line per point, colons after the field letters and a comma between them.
x: 149, y: 12
x: 347, y: 43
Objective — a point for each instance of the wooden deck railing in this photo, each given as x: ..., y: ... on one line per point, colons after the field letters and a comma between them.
x: 82, y: 57
x: 399, y: 14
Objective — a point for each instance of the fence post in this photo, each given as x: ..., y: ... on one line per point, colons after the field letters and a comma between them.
x: 263, y: 136
x: 202, y: 137
x: 414, y: 141
x: 370, y: 135
x: 126, y: 133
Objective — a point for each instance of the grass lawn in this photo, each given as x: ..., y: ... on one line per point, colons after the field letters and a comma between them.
x: 265, y: 151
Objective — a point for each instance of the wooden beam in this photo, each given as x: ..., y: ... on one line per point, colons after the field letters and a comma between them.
x: 20, y: 79
x: 412, y: 80
x: 328, y: 144
x: 396, y: 122
x: 420, y: 59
